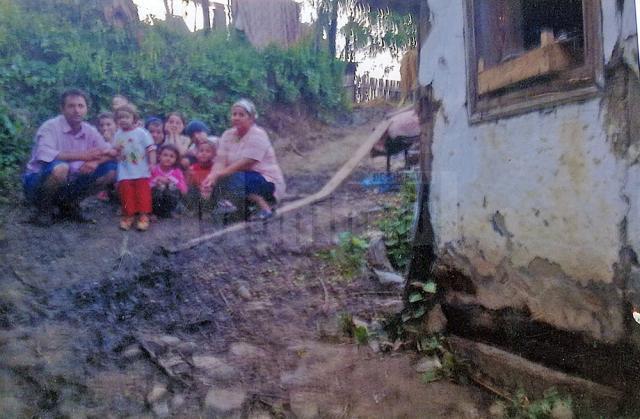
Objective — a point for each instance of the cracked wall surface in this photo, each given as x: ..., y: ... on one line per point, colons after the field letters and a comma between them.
x: 537, y: 208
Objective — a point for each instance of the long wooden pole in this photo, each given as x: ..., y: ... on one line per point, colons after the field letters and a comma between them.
x: 322, y: 194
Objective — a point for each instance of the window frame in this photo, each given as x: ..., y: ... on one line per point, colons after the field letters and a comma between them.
x: 576, y: 84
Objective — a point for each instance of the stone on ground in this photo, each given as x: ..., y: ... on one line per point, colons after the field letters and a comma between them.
x: 498, y: 410
x: 244, y: 292
x: 177, y: 401
x: 377, y: 255
x: 303, y: 406
x: 259, y: 414
x: 187, y: 348
x: 436, y: 320
x: 169, y: 340
x: 389, y: 278
x: 214, y: 366
x: 157, y: 393
x: 246, y: 350
x: 561, y: 410
x: 161, y: 409
x: 132, y: 351
x: 428, y: 364
x: 224, y: 401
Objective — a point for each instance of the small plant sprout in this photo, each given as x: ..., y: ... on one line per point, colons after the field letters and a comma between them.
x: 553, y: 404
x: 361, y: 334
x: 348, y: 255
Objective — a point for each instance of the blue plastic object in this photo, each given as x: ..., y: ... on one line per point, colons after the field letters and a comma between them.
x: 381, y: 182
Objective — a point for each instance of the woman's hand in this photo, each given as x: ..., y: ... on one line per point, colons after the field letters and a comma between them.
x: 210, y: 181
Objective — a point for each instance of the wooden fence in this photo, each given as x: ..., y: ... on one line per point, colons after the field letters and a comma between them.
x: 364, y: 89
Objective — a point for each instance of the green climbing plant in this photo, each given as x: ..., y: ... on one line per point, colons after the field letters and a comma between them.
x: 396, y: 226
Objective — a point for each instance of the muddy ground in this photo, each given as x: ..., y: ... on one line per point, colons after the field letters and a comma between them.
x: 96, y: 322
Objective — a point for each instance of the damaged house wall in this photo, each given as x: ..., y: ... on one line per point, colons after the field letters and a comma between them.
x: 540, y: 212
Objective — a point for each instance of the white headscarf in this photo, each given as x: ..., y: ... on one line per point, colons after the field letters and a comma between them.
x: 248, y: 106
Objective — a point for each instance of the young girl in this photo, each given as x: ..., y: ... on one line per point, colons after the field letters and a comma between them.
x: 167, y: 182
x: 173, y: 127
x: 155, y: 128
x: 119, y: 100
x: 137, y: 158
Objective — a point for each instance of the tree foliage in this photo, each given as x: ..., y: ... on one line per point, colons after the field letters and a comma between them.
x: 366, y: 29
x: 159, y: 69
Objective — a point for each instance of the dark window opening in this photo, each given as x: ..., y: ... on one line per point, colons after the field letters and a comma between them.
x: 507, y: 29
x: 528, y: 53
x: 564, y: 18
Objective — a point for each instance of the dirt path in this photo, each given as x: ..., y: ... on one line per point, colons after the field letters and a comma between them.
x: 95, y: 322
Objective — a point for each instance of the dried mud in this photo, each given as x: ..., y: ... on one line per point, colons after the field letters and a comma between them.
x: 95, y: 322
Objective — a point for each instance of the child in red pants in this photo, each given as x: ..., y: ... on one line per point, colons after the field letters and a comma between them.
x: 137, y: 159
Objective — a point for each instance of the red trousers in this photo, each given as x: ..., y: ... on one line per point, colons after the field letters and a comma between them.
x: 135, y: 196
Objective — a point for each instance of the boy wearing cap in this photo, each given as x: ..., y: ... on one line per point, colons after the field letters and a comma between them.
x: 199, y: 133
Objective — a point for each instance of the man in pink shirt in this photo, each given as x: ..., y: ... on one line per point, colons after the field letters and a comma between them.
x: 70, y: 160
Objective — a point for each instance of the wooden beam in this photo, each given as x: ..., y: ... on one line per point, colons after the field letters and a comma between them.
x: 322, y: 194
x: 541, y: 61
x: 511, y: 372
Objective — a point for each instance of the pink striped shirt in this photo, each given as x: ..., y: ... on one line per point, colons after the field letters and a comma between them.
x: 55, y: 136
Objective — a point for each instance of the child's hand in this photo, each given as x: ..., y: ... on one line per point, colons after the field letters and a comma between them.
x: 112, y: 152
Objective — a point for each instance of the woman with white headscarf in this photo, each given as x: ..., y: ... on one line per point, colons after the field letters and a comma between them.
x: 246, y: 167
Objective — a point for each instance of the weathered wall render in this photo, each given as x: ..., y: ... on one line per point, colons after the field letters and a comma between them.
x: 539, y: 210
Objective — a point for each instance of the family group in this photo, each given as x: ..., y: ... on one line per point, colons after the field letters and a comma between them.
x: 151, y: 167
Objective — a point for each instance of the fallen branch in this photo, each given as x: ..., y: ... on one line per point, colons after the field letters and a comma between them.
x: 225, y: 300
x: 161, y: 365
x: 23, y: 281
x: 491, y: 388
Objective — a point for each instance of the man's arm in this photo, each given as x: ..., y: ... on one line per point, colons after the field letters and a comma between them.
x: 87, y: 155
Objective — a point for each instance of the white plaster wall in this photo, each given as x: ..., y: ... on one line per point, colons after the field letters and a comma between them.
x: 611, y: 24
x: 551, y: 174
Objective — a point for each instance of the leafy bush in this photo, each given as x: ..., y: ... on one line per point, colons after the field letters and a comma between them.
x: 13, y: 150
x: 65, y: 43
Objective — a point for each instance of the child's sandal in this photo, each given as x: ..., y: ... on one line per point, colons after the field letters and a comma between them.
x: 143, y: 223
x: 126, y: 223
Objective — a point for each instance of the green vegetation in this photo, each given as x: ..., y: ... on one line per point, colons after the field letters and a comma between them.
x: 552, y: 405
x: 348, y: 254
x: 396, y: 226
x: 49, y: 45
x: 358, y: 332
x: 12, y: 151
x: 367, y: 29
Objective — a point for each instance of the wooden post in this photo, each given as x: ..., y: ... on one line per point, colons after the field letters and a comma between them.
x: 219, y: 17
x: 372, y: 88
